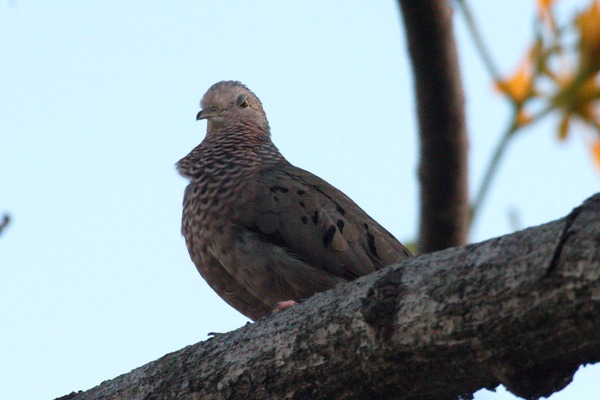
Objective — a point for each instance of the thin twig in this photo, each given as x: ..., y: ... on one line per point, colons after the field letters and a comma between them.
x: 493, y: 71
x: 478, y: 39
x: 498, y: 154
x: 490, y: 173
x: 541, y: 114
x: 5, y: 222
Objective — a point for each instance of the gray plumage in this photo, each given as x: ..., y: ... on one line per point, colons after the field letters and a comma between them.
x: 261, y: 230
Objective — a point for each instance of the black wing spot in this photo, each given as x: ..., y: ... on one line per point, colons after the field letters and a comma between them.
x: 304, y: 219
x: 340, y: 225
x: 340, y: 210
x: 315, y: 217
x: 329, y: 235
x: 371, y: 242
x: 277, y: 188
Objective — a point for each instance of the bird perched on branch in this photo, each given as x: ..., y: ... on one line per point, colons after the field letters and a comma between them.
x: 261, y: 231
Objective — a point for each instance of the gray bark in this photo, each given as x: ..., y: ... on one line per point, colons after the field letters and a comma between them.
x: 522, y: 310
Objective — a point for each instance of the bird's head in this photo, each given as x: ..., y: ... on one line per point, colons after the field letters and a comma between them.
x: 229, y: 105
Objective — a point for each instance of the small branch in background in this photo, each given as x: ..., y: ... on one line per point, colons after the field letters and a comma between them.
x: 490, y: 65
x: 4, y: 223
x: 490, y: 172
x: 478, y: 40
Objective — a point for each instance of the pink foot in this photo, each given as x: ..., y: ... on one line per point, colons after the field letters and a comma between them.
x: 282, y: 306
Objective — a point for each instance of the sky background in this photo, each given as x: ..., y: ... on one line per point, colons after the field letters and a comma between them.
x: 98, y: 101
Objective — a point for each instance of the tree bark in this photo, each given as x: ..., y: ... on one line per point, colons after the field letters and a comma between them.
x: 444, y: 201
x: 522, y: 310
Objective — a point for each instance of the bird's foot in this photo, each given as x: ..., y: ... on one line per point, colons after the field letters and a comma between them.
x: 282, y: 306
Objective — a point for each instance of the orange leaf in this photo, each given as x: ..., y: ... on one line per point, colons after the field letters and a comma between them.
x: 595, y: 147
x: 588, y: 24
x: 519, y: 85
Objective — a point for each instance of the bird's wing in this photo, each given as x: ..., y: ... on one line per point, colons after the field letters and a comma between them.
x: 319, y: 224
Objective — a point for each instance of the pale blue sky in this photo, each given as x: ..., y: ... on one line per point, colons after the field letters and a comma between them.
x: 98, y: 103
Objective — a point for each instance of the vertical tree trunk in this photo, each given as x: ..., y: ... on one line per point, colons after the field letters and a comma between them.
x: 442, y: 127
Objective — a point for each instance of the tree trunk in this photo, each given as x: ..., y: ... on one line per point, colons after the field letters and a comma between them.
x: 522, y: 310
x: 443, y: 138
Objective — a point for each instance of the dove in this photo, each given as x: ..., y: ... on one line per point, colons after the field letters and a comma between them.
x: 261, y: 231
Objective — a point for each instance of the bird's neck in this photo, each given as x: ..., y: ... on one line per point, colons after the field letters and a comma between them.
x: 243, y: 151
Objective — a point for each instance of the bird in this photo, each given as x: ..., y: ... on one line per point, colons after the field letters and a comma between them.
x: 261, y: 231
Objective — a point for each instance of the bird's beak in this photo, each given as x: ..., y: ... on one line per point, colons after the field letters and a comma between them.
x: 206, y: 113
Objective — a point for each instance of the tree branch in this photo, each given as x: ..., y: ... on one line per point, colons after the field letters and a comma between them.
x: 4, y: 223
x: 522, y: 310
x: 443, y: 137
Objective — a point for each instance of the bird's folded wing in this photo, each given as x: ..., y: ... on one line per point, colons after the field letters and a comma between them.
x: 295, y: 209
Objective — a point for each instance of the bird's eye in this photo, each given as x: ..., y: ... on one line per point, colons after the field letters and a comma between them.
x: 242, y: 101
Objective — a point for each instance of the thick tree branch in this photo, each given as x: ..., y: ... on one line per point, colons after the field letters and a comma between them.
x: 443, y: 137
x: 522, y: 310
